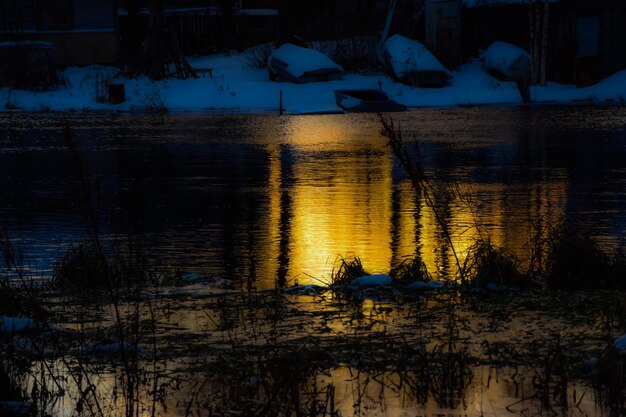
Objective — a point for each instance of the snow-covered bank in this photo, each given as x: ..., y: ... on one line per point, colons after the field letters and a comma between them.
x: 235, y: 86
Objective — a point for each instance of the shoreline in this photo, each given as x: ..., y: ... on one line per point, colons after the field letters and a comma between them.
x: 236, y: 87
x: 275, y: 113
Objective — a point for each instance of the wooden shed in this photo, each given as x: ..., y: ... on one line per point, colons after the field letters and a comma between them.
x: 81, y: 31
x: 586, y: 38
x: 590, y: 40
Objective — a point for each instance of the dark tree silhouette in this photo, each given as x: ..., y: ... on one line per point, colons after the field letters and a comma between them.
x: 161, y: 56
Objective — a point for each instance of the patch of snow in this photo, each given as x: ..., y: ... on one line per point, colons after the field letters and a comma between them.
x: 16, y: 324
x: 407, y: 55
x: 428, y: 285
x: 301, y: 60
x: 373, y: 280
x: 306, y: 289
x: 610, y: 89
x: 235, y: 86
x: 470, y: 85
x: 512, y: 61
x: 620, y: 343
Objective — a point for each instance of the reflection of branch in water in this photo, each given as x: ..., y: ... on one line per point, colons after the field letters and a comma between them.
x: 420, y: 183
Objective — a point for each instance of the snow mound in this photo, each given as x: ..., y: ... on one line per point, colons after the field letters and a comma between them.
x: 510, y: 60
x: 428, y: 285
x: 613, y: 87
x: 407, y: 55
x: 373, y: 280
x: 310, y: 289
x: 301, y: 60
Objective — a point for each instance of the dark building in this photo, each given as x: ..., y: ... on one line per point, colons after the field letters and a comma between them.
x: 332, y: 19
x: 590, y: 40
x: 586, y: 38
x: 82, y: 31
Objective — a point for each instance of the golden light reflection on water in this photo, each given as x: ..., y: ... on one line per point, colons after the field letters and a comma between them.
x: 268, y: 262
x: 322, y: 207
x: 351, y: 212
x: 333, y: 191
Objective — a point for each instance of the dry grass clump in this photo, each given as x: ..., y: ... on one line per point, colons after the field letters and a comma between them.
x: 275, y: 381
x: 13, y: 301
x: 410, y: 270
x: 81, y: 267
x: 87, y: 266
x: 487, y: 264
x: 576, y: 261
x: 345, y: 269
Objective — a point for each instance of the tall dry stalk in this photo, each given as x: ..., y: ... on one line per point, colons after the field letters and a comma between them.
x: 421, y: 185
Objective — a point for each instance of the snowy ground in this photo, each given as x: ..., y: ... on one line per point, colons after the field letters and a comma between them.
x: 236, y: 86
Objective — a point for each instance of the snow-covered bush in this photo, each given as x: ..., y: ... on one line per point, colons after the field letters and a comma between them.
x: 259, y: 55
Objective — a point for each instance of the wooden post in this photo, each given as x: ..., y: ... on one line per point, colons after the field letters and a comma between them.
x: 532, y: 32
x: 531, y: 39
x: 280, y: 103
x: 544, y: 43
x: 538, y: 20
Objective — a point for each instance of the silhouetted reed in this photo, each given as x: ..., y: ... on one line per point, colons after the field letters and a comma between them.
x: 422, y: 186
x: 345, y: 269
x: 486, y: 265
x: 577, y: 261
x: 410, y: 270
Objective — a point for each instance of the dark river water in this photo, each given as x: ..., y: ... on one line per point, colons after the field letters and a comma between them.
x: 278, y: 198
